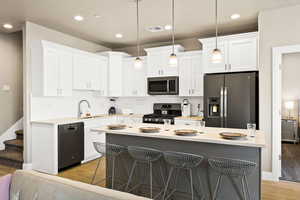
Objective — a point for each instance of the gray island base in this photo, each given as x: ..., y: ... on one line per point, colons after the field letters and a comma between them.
x: 231, y: 188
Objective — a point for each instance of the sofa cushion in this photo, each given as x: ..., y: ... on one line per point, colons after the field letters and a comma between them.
x: 56, y: 188
x: 4, y: 187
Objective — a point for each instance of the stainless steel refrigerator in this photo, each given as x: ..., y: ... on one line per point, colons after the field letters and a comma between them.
x: 231, y: 99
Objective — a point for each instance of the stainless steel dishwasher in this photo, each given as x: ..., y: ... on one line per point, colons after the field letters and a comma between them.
x: 70, y: 144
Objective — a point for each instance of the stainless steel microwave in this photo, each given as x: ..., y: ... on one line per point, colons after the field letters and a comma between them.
x: 163, y: 85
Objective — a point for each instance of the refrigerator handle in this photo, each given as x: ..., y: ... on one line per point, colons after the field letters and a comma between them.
x: 225, y: 106
x: 222, y: 106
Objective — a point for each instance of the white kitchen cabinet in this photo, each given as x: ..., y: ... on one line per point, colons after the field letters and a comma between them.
x: 57, y: 70
x: 134, y: 80
x: 158, y: 61
x: 88, y: 68
x: 191, y: 74
x: 239, y: 53
x: 115, y: 72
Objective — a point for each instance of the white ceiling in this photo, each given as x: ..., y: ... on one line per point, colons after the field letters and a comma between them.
x: 194, y: 18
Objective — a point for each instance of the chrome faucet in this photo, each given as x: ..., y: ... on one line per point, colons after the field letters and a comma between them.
x: 79, y: 106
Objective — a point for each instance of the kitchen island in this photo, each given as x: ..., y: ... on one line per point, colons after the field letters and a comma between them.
x: 208, y: 144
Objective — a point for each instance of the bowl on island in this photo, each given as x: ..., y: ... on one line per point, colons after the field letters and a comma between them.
x: 116, y: 126
x: 149, y: 129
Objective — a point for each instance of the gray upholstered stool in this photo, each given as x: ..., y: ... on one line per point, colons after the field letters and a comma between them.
x: 144, y: 156
x: 182, y: 161
x: 112, y: 151
x: 235, y: 169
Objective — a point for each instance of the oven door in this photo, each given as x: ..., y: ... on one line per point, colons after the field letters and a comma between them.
x: 163, y: 86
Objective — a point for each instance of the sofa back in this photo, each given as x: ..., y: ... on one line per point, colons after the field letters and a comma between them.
x: 37, y: 186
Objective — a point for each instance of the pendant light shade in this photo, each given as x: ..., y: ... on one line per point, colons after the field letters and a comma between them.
x: 138, y: 63
x: 173, y: 61
x: 217, y: 56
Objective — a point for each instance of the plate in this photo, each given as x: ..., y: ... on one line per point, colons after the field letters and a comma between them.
x: 233, y: 136
x: 116, y: 126
x: 186, y: 132
x: 149, y: 129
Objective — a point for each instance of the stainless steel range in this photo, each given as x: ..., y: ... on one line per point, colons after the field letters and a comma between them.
x: 163, y: 111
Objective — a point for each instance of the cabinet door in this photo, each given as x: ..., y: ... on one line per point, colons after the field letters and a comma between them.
x: 210, y: 67
x: 81, y: 72
x: 154, y: 65
x: 197, y: 76
x: 185, y: 76
x: 65, y: 73
x: 166, y: 69
x: 94, y: 73
x: 140, y: 80
x: 128, y: 76
x: 51, y: 72
x: 115, y: 76
x: 242, y: 54
x: 103, y: 77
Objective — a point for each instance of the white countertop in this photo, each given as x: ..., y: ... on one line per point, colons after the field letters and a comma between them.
x: 69, y: 120
x: 211, y: 135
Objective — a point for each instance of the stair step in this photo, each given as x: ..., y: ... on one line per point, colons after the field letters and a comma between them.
x: 11, y: 158
x: 20, y: 134
x: 14, y: 145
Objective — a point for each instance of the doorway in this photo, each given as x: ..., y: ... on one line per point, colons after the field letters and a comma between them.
x: 286, y: 102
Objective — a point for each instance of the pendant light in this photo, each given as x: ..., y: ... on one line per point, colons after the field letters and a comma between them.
x: 173, y: 61
x: 138, y: 63
x: 216, y: 54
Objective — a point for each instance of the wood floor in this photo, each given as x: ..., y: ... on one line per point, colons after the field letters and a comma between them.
x: 291, y: 162
x: 270, y: 190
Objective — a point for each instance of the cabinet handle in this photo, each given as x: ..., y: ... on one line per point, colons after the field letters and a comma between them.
x: 162, y: 72
x: 229, y: 66
x: 225, y: 67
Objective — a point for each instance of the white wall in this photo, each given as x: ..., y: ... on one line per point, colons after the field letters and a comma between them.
x: 32, y: 35
x: 276, y: 28
x: 11, y: 70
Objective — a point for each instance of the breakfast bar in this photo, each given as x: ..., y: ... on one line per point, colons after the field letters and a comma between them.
x: 207, y: 142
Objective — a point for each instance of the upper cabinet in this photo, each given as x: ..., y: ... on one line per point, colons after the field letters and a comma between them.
x: 191, y: 74
x: 56, y: 73
x: 115, y: 72
x: 158, y: 61
x: 90, y: 72
x: 240, y: 53
x: 134, y: 80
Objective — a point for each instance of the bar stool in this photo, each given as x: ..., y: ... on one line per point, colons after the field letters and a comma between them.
x: 182, y: 161
x: 146, y: 156
x: 108, y: 150
x: 232, y: 168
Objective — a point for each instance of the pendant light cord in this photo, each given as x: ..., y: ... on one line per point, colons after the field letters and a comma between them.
x: 216, y: 22
x: 173, y: 25
x: 137, y: 28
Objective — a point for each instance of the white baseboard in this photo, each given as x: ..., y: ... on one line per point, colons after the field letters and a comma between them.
x: 27, y: 166
x: 268, y: 176
x: 9, y: 134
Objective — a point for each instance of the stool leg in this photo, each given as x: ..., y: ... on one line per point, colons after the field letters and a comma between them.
x: 131, y: 174
x: 151, y: 191
x: 96, y: 170
x: 201, y: 186
x: 168, y: 182
x: 217, y: 187
x: 247, y: 187
x: 192, y: 184
x: 243, y: 189
x: 113, y: 172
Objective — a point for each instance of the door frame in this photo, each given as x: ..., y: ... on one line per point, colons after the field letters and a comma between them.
x: 277, y: 55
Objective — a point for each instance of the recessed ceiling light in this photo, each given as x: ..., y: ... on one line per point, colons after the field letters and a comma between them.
x: 119, y: 35
x: 97, y: 16
x: 8, y: 26
x: 78, y: 18
x: 235, y: 16
x: 168, y: 27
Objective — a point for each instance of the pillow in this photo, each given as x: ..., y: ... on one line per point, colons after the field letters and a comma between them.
x: 4, y: 187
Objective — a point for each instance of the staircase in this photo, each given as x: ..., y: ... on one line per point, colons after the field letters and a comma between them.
x: 12, y: 155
